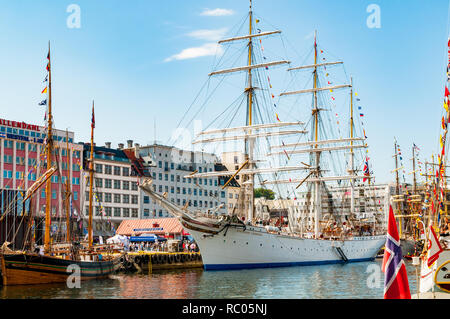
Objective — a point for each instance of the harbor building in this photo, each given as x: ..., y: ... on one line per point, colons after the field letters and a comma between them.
x: 23, y: 160
x: 168, y: 166
x: 117, y: 173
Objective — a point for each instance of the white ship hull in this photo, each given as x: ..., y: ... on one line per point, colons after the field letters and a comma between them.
x: 254, y: 247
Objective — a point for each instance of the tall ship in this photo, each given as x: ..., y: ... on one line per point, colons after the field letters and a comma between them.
x: 56, y: 260
x: 284, y: 156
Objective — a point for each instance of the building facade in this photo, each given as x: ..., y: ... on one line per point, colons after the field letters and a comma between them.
x: 168, y: 166
x: 23, y: 160
x: 116, y: 195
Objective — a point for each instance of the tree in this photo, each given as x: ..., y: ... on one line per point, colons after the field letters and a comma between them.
x: 267, y: 193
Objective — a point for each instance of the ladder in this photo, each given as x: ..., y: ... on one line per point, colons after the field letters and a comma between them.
x: 341, y: 253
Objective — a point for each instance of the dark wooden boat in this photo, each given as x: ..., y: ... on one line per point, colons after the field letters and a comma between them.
x: 31, y: 269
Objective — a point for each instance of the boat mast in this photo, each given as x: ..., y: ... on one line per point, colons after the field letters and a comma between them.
x: 316, y: 138
x: 91, y: 179
x: 68, y: 191
x: 352, y: 154
x: 414, y: 170
x: 48, y: 188
x: 249, y: 143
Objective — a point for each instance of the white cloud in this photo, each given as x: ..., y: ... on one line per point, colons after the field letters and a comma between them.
x: 217, y: 12
x: 209, y: 35
x: 207, y: 49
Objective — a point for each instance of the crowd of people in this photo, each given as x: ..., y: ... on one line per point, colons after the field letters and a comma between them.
x: 163, y: 246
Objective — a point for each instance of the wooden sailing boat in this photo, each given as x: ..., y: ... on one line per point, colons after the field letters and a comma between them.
x: 57, y: 262
x: 237, y: 241
x: 404, y: 204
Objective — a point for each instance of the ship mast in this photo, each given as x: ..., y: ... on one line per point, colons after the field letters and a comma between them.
x: 68, y: 191
x: 91, y: 179
x: 249, y: 143
x: 414, y: 170
x: 315, y: 113
x: 48, y: 188
x: 352, y: 154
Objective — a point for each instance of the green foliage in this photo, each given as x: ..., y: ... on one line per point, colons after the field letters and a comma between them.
x: 267, y: 193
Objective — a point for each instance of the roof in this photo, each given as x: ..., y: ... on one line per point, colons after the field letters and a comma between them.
x: 150, y: 226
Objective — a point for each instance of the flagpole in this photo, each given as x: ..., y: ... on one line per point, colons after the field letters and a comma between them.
x: 68, y: 192
x: 48, y: 188
x: 91, y: 179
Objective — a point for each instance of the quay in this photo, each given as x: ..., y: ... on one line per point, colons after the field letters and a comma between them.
x: 149, y: 261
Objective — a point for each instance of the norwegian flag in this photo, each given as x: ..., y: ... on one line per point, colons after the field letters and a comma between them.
x: 396, y: 284
x: 366, y: 170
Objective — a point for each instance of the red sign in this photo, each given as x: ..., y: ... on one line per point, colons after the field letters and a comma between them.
x: 21, y: 125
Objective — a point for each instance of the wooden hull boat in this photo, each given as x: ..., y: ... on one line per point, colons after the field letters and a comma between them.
x: 33, y: 269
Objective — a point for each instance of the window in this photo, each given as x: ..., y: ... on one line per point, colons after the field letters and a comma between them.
x: 76, y: 181
x: 100, y: 197
x: 116, y: 198
x: 159, y: 164
x: 117, y: 170
x: 134, y: 186
x: 32, y: 147
x: 116, y: 211
x: 75, y: 195
x: 116, y: 184
x: 98, y: 182
x: 20, y: 146
x: 134, y: 199
x: 126, y: 185
x: 108, y: 169
x: 19, y: 175
x: 146, y: 200
x: 125, y: 171
x: 146, y: 212
x: 126, y: 212
x: 108, y: 211
x: 108, y: 183
x: 8, y: 144
x: 108, y: 197
x: 126, y: 199
x: 99, y: 168
x: 7, y: 159
x: 53, y: 194
x: 160, y: 176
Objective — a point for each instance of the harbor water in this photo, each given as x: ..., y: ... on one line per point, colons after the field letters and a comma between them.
x: 343, y: 281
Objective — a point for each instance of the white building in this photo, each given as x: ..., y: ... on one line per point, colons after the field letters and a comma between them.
x: 168, y: 167
x: 116, y: 191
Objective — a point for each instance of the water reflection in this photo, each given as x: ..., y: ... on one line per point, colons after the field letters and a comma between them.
x: 314, y: 282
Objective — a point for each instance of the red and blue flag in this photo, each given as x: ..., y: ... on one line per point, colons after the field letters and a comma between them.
x: 396, y: 284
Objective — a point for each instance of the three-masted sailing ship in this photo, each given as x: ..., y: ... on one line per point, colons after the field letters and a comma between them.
x: 56, y: 262
x: 243, y: 240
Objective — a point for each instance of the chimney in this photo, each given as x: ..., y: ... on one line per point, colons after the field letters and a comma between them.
x: 121, y: 145
x: 108, y: 144
x: 130, y: 143
x: 136, y: 149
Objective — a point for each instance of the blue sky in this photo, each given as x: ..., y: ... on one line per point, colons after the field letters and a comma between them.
x: 124, y: 57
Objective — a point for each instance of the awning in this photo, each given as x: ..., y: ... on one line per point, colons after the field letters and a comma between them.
x: 147, y: 239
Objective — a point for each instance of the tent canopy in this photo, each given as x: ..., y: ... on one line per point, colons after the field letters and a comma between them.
x: 150, y: 238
